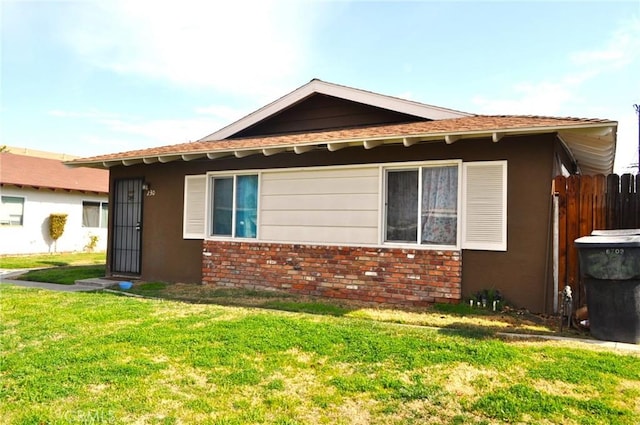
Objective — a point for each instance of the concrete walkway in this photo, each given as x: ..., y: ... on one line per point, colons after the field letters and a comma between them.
x: 50, y: 286
x: 6, y: 277
x: 96, y: 284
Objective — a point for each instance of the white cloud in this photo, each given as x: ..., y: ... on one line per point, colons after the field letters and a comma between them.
x: 225, y: 113
x: 559, y: 94
x: 240, y: 47
x: 585, y: 88
x: 541, y: 98
x: 92, y: 114
x: 116, y: 132
x: 620, y: 50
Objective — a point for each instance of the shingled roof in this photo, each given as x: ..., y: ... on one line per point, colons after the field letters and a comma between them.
x: 591, y: 141
x: 47, y: 173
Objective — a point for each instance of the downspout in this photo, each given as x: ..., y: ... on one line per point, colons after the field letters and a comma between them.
x: 556, y: 245
x: 545, y: 291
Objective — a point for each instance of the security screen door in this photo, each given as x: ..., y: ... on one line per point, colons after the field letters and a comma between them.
x: 127, y: 226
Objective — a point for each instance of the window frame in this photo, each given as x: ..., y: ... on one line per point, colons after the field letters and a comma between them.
x: 210, y: 177
x: 101, y: 206
x: 419, y: 166
x: 24, y: 201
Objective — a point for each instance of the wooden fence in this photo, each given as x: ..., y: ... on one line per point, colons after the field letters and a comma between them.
x: 587, y: 203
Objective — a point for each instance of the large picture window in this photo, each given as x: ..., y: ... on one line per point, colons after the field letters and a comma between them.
x: 234, y: 206
x: 12, y: 211
x: 95, y: 214
x: 422, y: 205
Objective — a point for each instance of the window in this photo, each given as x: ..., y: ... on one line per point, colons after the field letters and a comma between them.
x: 422, y: 205
x: 234, y: 206
x: 11, y: 211
x: 95, y: 214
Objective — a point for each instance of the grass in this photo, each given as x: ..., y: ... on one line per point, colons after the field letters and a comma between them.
x: 100, y: 358
x: 52, y: 260
x: 63, y: 268
x: 64, y: 275
x: 459, y: 316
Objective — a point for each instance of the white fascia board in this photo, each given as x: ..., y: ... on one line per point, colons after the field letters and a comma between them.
x: 355, y: 95
x: 387, y: 102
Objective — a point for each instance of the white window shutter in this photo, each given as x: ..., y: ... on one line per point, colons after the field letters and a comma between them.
x: 484, y: 205
x: 194, y: 207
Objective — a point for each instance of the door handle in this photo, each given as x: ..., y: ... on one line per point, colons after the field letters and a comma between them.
x: 138, y: 226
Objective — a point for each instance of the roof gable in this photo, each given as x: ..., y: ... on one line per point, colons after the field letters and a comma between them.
x: 39, y: 173
x: 320, y: 112
x: 400, y: 109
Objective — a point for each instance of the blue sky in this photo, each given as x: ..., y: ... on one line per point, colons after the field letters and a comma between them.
x: 89, y: 77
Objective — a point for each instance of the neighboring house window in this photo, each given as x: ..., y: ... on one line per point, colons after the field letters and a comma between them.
x: 234, y: 206
x: 422, y: 205
x: 12, y: 211
x: 95, y: 214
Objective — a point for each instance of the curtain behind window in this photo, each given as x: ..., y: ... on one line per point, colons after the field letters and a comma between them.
x: 90, y: 214
x: 11, y: 211
x: 402, y: 206
x: 439, y: 205
x: 104, y: 219
x: 246, y: 206
x: 222, y: 206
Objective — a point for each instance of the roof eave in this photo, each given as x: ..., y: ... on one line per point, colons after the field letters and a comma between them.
x: 598, y: 159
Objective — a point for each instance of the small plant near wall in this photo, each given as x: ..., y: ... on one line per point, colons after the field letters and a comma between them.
x: 93, y: 242
x: 489, y: 299
x: 57, y: 222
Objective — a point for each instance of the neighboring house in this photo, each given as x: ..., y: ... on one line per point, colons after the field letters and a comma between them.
x: 338, y: 192
x: 33, y: 187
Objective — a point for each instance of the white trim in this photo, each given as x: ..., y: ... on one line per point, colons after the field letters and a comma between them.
x: 347, y: 93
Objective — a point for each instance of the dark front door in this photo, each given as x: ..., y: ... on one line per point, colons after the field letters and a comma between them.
x: 127, y: 226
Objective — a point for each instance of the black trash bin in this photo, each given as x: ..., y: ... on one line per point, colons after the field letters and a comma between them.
x: 610, y: 270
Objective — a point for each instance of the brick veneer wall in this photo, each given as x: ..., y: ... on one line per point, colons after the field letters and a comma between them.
x: 409, y: 277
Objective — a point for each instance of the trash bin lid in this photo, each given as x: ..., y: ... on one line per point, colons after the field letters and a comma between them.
x: 616, y: 232
x: 610, y: 241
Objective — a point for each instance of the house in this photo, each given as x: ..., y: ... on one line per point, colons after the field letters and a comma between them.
x: 339, y: 192
x: 34, y: 185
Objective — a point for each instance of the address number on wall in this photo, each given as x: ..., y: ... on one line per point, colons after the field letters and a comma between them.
x: 151, y: 192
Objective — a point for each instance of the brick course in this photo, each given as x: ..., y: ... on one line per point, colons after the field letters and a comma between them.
x: 403, y: 277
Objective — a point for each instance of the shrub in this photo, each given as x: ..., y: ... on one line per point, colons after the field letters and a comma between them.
x: 56, y: 226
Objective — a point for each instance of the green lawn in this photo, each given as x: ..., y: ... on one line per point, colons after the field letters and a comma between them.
x: 52, y: 260
x: 103, y: 358
x: 64, y: 275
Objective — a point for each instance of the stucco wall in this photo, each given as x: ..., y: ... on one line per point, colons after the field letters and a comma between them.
x: 33, y: 236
